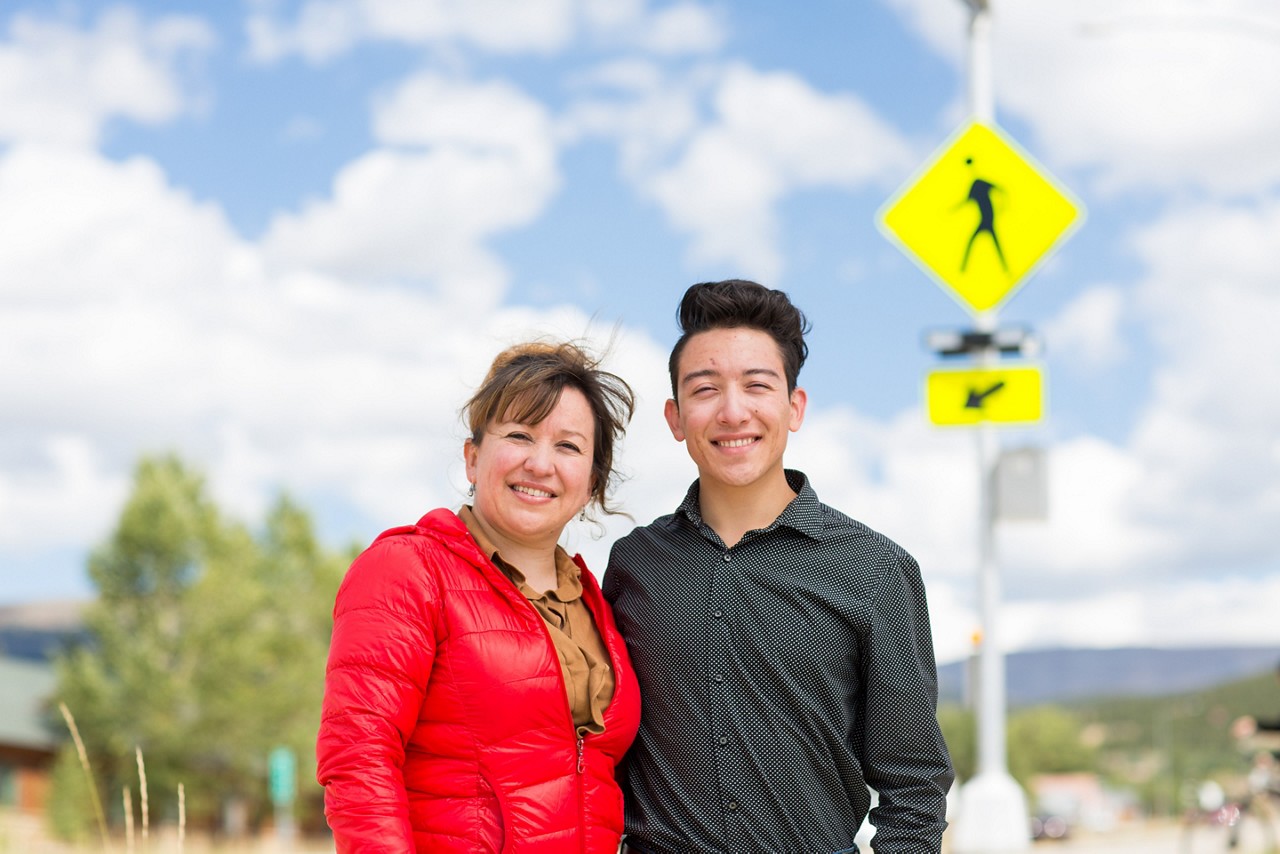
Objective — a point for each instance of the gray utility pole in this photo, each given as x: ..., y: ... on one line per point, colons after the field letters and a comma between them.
x: 992, y: 812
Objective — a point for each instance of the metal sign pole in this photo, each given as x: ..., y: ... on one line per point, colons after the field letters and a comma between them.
x: 993, y: 811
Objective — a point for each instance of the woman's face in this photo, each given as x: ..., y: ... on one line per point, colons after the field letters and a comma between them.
x: 531, y: 479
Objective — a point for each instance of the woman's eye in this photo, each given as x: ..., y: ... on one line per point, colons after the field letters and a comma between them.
x: 518, y: 435
x: 569, y: 446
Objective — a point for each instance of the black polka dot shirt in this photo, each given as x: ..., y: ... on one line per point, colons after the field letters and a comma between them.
x: 779, y: 680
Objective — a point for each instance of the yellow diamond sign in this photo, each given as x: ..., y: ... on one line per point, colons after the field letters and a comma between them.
x: 967, y: 396
x: 980, y: 216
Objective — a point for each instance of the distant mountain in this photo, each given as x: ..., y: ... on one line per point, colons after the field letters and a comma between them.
x: 1064, y: 675
x: 35, y: 632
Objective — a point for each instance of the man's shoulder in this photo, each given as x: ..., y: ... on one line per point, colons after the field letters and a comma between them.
x: 840, y: 528
x: 660, y: 529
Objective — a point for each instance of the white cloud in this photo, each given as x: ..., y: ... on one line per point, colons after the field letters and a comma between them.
x: 1087, y: 333
x: 1160, y: 95
x: 681, y: 28
x: 1209, y: 433
x: 462, y: 163
x: 60, y: 84
x: 125, y: 226
x: 73, y: 486
x: 1220, y: 612
x: 635, y: 102
x: 325, y: 29
x: 770, y: 135
x: 166, y: 333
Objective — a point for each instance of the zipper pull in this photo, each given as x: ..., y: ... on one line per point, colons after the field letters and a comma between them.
x: 581, y: 749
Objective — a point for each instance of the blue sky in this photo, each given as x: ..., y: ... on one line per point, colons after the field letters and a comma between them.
x: 284, y: 240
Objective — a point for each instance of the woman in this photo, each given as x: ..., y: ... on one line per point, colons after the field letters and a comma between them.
x: 478, y: 696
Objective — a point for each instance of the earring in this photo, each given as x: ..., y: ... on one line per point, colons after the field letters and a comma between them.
x: 582, y: 514
x: 471, y: 490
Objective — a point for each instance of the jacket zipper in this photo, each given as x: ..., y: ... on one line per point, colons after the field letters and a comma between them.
x: 581, y: 767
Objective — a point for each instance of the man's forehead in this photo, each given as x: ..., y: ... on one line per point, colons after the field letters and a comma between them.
x: 731, y: 346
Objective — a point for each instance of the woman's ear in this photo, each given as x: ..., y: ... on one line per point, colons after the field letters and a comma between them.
x: 470, y: 450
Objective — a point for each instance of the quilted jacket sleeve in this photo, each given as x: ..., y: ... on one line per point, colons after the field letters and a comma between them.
x: 380, y: 659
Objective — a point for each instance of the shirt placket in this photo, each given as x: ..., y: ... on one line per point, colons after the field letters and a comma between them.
x: 721, y: 610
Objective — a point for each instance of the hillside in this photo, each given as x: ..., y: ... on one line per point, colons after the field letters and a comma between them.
x: 1067, y: 675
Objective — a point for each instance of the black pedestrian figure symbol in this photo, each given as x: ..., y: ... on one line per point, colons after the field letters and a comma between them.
x: 980, y: 194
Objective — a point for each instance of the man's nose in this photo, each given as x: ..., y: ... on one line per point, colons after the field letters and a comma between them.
x: 733, y: 408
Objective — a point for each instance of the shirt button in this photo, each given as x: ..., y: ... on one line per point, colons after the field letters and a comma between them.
x: 722, y: 740
x: 731, y: 806
x: 718, y: 614
x: 726, y: 557
x: 716, y: 677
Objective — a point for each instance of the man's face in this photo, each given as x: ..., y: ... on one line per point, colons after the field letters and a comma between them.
x: 732, y: 409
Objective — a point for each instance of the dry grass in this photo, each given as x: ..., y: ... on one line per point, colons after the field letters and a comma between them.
x: 26, y: 834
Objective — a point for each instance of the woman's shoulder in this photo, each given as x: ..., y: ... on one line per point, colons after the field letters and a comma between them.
x: 411, y: 557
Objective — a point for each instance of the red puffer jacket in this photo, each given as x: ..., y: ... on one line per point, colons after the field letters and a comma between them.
x: 446, y: 727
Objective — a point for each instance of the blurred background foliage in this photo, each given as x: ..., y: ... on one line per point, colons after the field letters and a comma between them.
x: 206, y: 649
x: 1160, y: 748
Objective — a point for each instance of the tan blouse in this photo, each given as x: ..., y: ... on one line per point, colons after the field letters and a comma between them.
x: 588, y: 678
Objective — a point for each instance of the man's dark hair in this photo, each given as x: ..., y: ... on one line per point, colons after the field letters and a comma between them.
x: 739, y: 303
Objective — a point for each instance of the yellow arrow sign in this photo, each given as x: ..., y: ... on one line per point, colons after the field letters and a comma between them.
x: 967, y: 396
x: 980, y: 216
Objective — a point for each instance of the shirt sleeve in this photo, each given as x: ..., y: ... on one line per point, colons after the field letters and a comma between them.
x: 380, y: 658
x: 906, y: 758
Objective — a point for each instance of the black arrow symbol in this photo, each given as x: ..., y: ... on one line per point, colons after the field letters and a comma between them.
x: 977, y: 398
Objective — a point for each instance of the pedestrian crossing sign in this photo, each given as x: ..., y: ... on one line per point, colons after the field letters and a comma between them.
x: 980, y: 216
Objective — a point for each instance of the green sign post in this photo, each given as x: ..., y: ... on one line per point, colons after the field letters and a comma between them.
x: 282, y: 771
x: 282, y: 781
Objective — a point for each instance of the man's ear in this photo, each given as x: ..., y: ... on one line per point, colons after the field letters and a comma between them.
x: 799, y: 400
x: 672, y: 413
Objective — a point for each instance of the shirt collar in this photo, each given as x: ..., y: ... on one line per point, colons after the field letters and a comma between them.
x: 803, y: 514
x: 568, y: 578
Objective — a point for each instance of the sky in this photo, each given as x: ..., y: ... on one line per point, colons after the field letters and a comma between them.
x: 283, y: 240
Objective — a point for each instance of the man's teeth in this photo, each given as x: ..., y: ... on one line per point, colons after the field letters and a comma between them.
x: 735, y: 443
x: 529, y: 490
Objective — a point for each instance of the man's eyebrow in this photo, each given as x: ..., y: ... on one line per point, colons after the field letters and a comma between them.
x: 702, y: 373
x: 706, y: 373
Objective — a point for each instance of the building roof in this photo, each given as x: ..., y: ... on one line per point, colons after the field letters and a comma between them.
x: 25, y: 689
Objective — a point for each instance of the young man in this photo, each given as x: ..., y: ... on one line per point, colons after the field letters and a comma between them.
x: 783, y: 649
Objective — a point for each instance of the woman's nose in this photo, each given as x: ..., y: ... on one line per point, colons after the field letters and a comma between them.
x: 539, y: 459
